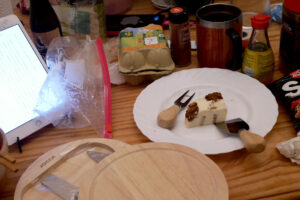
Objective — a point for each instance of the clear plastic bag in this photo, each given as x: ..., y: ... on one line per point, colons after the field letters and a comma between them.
x: 73, y: 94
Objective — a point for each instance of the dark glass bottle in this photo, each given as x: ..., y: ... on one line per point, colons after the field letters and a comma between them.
x: 290, y: 37
x: 44, y: 24
x: 180, y: 37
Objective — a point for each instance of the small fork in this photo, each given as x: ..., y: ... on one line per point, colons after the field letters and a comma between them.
x: 167, y: 117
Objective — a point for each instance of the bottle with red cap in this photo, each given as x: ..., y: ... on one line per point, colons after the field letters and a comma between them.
x: 290, y: 37
x: 258, y: 59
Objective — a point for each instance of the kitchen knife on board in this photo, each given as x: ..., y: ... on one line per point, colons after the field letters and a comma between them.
x: 254, y: 143
x: 62, y: 188
x: 96, y: 156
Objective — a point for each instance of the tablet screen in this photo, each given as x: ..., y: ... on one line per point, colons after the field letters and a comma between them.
x: 21, y: 77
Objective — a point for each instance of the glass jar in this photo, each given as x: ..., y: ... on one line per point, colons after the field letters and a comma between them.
x: 180, y: 36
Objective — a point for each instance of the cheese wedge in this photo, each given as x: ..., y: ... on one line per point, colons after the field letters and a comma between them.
x: 204, y: 111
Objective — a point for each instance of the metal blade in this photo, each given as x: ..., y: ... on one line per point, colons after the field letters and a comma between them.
x: 96, y: 156
x: 233, y: 126
x: 222, y: 126
x: 61, y: 188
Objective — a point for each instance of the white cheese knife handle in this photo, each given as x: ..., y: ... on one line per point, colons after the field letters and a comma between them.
x: 253, y: 143
x: 167, y: 117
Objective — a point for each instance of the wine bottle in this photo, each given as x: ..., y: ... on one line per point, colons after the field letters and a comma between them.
x: 44, y: 24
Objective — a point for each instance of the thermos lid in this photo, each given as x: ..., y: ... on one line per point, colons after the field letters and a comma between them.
x: 293, y: 5
x: 178, y: 15
x: 260, y: 21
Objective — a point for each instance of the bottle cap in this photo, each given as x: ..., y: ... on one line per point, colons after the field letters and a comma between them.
x: 260, y: 21
x: 178, y: 15
x: 293, y: 5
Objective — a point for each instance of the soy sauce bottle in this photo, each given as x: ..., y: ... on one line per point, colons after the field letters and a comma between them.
x: 44, y: 24
x: 258, y: 60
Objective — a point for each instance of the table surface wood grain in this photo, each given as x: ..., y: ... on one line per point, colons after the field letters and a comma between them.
x: 267, y: 175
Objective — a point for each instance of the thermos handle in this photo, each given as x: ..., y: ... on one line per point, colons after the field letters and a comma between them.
x: 236, y: 62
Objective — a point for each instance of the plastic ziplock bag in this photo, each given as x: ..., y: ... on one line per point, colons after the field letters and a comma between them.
x: 76, y: 92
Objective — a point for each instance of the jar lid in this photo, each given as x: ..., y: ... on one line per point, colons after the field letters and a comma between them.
x: 260, y: 21
x: 178, y: 15
x: 293, y: 5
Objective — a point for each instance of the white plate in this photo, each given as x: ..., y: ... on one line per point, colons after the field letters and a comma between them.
x: 244, y: 96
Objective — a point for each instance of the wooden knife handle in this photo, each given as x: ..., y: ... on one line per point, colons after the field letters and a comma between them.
x: 253, y: 143
x: 167, y: 118
x: 7, y: 157
x: 8, y: 165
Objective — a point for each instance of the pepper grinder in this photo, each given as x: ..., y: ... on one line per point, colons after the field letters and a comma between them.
x: 180, y: 36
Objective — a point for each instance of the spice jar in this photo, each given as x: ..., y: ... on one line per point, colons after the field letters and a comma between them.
x: 290, y: 37
x: 180, y: 36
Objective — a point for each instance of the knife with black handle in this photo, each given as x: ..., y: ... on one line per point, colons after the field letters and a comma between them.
x: 254, y: 143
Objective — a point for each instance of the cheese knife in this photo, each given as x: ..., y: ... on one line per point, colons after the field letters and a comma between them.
x: 254, y: 143
x: 167, y: 117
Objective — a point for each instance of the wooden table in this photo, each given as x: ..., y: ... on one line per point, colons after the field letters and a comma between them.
x: 267, y: 175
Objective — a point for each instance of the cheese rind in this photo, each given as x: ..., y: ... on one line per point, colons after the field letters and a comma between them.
x: 209, y: 112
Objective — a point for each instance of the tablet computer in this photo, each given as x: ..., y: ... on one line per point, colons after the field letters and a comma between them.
x: 22, y: 74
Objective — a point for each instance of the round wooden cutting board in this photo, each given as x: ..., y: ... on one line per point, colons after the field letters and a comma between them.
x: 160, y: 171
x: 149, y: 171
x: 69, y: 162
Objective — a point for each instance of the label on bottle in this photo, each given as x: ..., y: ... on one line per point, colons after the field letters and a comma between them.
x: 180, y: 44
x: 42, y: 40
x: 184, y: 34
x: 259, y: 65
